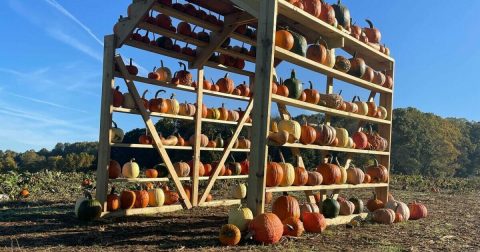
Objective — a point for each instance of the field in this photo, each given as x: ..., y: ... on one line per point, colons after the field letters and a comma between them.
x: 45, y: 221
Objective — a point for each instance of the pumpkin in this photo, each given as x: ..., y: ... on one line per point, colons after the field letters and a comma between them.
x: 330, y: 207
x: 173, y: 107
x: 330, y: 172
x: 133, y: 70
x: 342, y: 14
x: 244, y: 89
x: 213, y: 114
x: 245, y: 166
x: 266, y: 228
x: 293, y: 227
x: 313, y: 7
x: 374, y: 203
x: 211, y: 144
x: 284, y: 39
x: 358, y: 203
x: 369, y: 74
x: 282, y: 90
x: 117, y: 134
x: 113, y: 201
x: 376, y: 142
x: 292, y: 127
x: 182, y: 169
x: 398, y: 218
x: 286, y: 206
x: 346, y: 207
x: 325, y: 135
x: 223, y: 113
x: 342, y: 135
x: 222, y: 169
x: 88, y: 209
x: 317, y: 52
x: 358, y: 66
x: 226, y: 84
x: 184, y: 77
x: 243, y: 143
x: 203, y: 140
x: 127, y: 199
x: 383, y: 216
x: 299, y: 44
x: 342, y: 64
x: 164, y: 42
x: 360, y: 139
x: 301, y: 176
x: 381, y: 113
x: 399, y: 208
x: 378, y: 172
x: 201, y: 168
x: 388, y: 82
x: 308, y: 135
x: 151, y: 173
x: 373, y: 34
x: 164, y: 73
x: 274, y: 174
x: 362, y: 106
x: 153, y: 75
x: 158, y: 105
x: 171, y: 197
x: 355, y: 175
x: 162, y: 170
x: 235, y: 167
x: 314, y: 222
x: 268, y: 197
x: 312, y: 95
x: 309, y: 208
x: 334, y: 101
x: 186, y: 109
x: 367, y: 179
x: 117, y: 98
x: 343, y: 173
x: 288, y: 172
x: 328, y: 13
x: 240, y: 217
x: 156, y: 197
x: 294, y: 86
x: 233, y: 115
x: 219, y: 141
x: 230, y: 235
x: 141, y: 199
x: 114, y: 169
x: 314, y: 178
x: 417, y: 210
x: 131, y: 169
x: 207, y: 169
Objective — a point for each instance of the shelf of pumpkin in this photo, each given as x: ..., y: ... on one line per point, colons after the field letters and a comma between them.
x: 146, y: 180
x: 324, y: 187
x: 148, y: 146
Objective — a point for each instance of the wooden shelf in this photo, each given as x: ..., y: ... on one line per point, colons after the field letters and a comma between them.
x: 322, y: 109
x: 324, y: 187
x: 296, y: 59
x: 143, y: 211
x: 154, y: 114
x: 344, y: 219
x: 339, y: 149
x: 185, y: 17
x: 172, y: 54
x: 223, y: 122
x: 146, y: 180
x: 147, y: 146
x: 227, y: 96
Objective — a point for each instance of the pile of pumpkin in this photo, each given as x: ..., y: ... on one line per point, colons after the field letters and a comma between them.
x: 338, y: 15
x: 327, y: 173
x: 290, y: 131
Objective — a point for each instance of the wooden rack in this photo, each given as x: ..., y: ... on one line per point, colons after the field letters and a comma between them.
x: 236, y: 13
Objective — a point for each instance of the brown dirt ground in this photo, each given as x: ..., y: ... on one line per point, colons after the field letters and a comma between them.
x: 452, y: 225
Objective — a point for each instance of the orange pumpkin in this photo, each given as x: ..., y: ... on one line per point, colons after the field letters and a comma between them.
x: 171, y: 197
x: 330, y: 172
x: 312, y: 95
x: 284, y: 39
x: 226, y: 85
x: 301, y: 176
x: 378, y: 173
x: 127, y: 199
x: 293, y: 227
x: 113, y: 201
x: 223, y: 112
x: 229, y: 235
x: 314, y: 178
x: 417, y: 211
x: 158, y: 105
x: 286, y: 206
x: 266, y: 228
x: 141, y: 199
x: 374, y: 203
x: 151, y: 173
x: 313, y: 7
x: 207, y: 169
x: 317, y: 52
x: 308, y: 134
x: 114, y: 169
x: 367, y: 179
x: 314, y: 222
x: 182, y: 169
x: 274, y: 174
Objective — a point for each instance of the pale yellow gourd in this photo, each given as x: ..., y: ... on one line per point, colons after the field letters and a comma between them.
x: 383, y: 112
x: 362, y: 106
x: 288, y: 172
x: 156, y: 197
x: 239, y: 191
x: 131, y: 169
x: 173, y: 105
x: 240, y: 217
x: 342, y: 135
x: 331, y: 58
x: 292, y: 127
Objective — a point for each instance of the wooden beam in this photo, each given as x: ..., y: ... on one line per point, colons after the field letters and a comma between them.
x: 198, y: 132
x: 143, y: 211
x: 324, y: 187
x: 151, y: 127
x: 138, y: 10
x: 226, y: 152
x: 250, y: 6
x: 262, y: 96
x: 106, y: 110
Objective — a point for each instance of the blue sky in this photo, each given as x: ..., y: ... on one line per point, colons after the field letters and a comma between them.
x: 50, y: 73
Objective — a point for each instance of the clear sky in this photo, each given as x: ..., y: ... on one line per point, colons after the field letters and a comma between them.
x: 50, y: 73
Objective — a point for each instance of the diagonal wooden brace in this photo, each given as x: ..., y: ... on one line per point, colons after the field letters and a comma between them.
x: 138, y: 10
x: 151, y: 127
x: 226, y: 152
x: 250, y: 6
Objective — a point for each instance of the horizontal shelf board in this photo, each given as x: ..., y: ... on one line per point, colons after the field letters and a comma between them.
x: 185, y: 17
x: 147, y: 146
x: 134, y: 111
x: 215, y: 203
x: 324, y: 187
x: 140, y: 211
x: 145, y: 180
x: 344, y: 219
x: 322, y: 109
x: 330, y: 148
x: 223, y: 122
x: 296, y: 59
x: 224, y: 95
x: 172, y: 54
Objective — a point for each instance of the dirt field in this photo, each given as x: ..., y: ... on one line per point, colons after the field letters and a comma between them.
x: 452, y: 225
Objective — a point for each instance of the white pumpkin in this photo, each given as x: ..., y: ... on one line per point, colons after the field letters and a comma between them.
x: 383, y: 112
x: 117, y: 134
x: 130, y: 169
x: 362, y: 106
x: 331, y: 58
x: 239, y: 191
x: 399, y: 207
x: 156, y: 197
x: 240, y: 217
x: 342, y: 135
x: 292, y: 127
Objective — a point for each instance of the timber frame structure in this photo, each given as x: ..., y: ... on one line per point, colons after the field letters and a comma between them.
x: 236, y: 13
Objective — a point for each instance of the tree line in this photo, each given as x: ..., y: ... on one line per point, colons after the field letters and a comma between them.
x: 422, y: 144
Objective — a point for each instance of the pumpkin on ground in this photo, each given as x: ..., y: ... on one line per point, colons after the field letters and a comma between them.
x: 358, y: 203
x: 88, y: 209
x: 240, y: 217
x: 230, y: 235
x: 399, y: 208
x: 330, y: 207
x: 266, y: 228
x: 293, y: 227
x: 286, y: 206
x: 383, y: 216
x: 374, y: 203
x: 314, y: 222
x: 417, y: 210
x: 239, y: 191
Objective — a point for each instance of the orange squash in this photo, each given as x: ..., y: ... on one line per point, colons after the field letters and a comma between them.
x: 286, y: 206
x: 226, y: 85
x: 274, y: 174
x: 284, y: 39
x: 266, y: 228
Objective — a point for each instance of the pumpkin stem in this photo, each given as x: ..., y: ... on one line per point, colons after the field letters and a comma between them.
x: 161, y: 63
x: 117, y: 88
x: 369, y: 23
x: 292, y: 75
x: 340, y: 93
x: 112, y: 192
x: 226, y: 76
x: 282, y: 158
x: 154, y: 68
x: 172, y: 96
x: 182, y: 64
x: 158, y: 92
x: 195, y: 27
x: 114, y: 124
x: 145, y: 92
x: 311, y: 85
x: 231, y: 156
x: 131, y: 61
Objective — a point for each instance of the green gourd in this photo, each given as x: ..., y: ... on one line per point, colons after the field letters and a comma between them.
x: 162, y: 170
x: 88, y: 209
x: 358, y: 205
x: 330, y: 208
x: 299, y: 44
x: 219, y: 141
x: 294, y: 86
x: 342, y: 14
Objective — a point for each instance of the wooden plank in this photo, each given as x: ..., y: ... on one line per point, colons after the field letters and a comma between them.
x: 262, y: 96
x: 338, y: 149
x: 142, y: 211
x: 151, y: 127
x: 217, y: 203
x: 153, y: 114
x: 198, y: 132
x: 169, y: 11
x: 227, y: 96
x: 327, y: 111
x: 324, y: 187
x: 226, y: 152
x: 342, y: 220
x: 146, y: 180
x: 105, y: 121
x: 185, y: 148
x: 224, y: 122
x: 126, y: 26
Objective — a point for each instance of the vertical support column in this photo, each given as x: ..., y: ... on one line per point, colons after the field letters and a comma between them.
x: 263, y: 96
x: 198, y: 132
x: 106, y: 111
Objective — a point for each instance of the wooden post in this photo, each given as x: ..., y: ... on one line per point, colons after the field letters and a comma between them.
x: 262, y: 96
x: 106, y: 111
x: 198, y: 132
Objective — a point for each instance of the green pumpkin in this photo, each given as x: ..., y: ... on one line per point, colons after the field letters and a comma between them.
x: 236, y: 168
x: 162, y: 170
x: 330, y: 208
x: 294, y: 86
x: 164, y: 42
x: 358, y: 205
x: 219, y: 141
x: 88, y: 209
x: 299, y: 44
x: 342, y: 14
